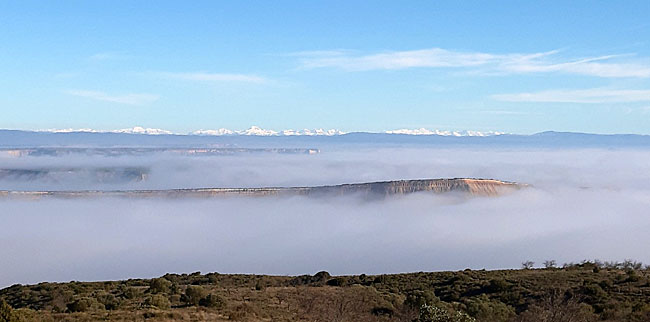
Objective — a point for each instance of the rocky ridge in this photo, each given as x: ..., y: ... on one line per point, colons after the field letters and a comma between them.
x: 472, y: 187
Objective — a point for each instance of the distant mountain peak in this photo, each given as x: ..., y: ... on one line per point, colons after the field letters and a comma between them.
x: 141, y: 130
x: 423, y: 131
x: 133, y: 130
x: 259, y: 131
x: 259, y: 137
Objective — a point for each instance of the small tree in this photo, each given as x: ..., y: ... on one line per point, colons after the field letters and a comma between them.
x: 550, y: 263
x: 193, y: 295
x: 527, y: 264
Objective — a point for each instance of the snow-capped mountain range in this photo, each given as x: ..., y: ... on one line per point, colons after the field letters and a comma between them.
x: 423, y: 131
x: 258, y: 131
x: 255, y: 130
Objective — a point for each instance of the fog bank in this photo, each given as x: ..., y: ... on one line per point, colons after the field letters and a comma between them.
x: 584, y: 204
x: 610, y: 168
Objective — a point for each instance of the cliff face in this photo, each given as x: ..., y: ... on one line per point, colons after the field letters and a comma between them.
x: 484, y: 187
x: 473, y: 187
x: 96, y: 175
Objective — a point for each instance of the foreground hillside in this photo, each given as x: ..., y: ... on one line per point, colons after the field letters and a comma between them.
x: 584, y: 292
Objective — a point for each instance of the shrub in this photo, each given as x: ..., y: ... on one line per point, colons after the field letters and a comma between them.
x: 260, y: 285
x: 558, y: 305
x: 193, y: 295
x: 158, y: 301
x: 415, y: 299
x: 108, y: 300
x: 130, y: 293
x: 213, y: 301
x: 486, y: 309
x: 84, y: 304
x: 498, y: 285
x: 159, y: 285
x: 430, y: 313
x: 527, y: 264
x: 337, y: 281
x: 550, y: 263
x: 322, y: 276
x: 632, y: 276
x: 6, y: 312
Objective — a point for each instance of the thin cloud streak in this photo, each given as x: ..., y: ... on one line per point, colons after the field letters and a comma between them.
x: 585, y: 96
x: 434, y: 57
x: 513, y: 63
x: 128, y: 99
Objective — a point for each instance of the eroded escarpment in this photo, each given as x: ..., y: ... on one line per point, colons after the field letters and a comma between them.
x: 472, y: 187
x: 483, y: 187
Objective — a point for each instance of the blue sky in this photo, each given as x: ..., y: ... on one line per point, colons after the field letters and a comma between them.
x: 513, y: 66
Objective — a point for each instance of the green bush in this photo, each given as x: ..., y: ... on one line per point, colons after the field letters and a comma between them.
x: 130, y: 293
x: 485, y: 309
x: 159, y: 285
x: 85, y: 304
x: 158, y: 300
x: 498, y: 285
x: 193, y: 295
x: 212, y: 301
x: 108, y: 300
x: 416, y: 299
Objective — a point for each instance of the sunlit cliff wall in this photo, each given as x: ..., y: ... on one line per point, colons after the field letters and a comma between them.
x: 473, y: 187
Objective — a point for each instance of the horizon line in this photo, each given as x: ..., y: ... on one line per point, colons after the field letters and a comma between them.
x: 261, y: 132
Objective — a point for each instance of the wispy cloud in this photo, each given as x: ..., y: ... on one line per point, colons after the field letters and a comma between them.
x: 590, y: 96
x: 128, y: 99
x: 511, y: 63
x: 434, y: 57
x: 593, y: 66
x: 216, y: 77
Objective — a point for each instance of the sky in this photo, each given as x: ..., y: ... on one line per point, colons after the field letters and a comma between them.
x: 508, y: 66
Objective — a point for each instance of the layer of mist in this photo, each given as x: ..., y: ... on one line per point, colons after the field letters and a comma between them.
x: 583, y: 204
x: 607, y: 168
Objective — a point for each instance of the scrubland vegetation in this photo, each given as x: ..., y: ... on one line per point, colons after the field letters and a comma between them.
x: 588, y: 291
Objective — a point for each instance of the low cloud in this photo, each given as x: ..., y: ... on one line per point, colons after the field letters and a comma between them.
x: 127, y: 99
x: 583, y: 204
x: 62, y: 240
